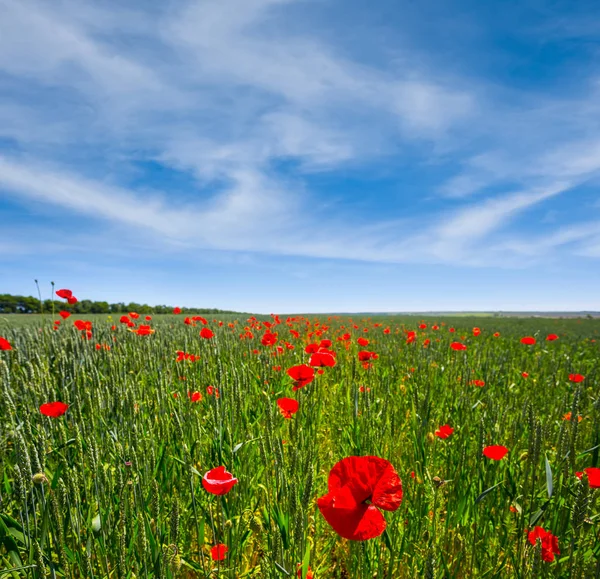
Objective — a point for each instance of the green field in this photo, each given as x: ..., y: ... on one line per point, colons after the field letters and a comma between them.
x: 114, y: 486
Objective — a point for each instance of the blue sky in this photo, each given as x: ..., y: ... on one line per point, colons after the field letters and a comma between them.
x: 303, y: 155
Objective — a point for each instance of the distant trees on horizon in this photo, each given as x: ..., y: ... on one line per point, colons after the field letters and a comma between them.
x: 10, y: 304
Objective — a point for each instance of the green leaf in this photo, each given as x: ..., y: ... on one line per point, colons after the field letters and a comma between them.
x: 486, y: 492
x: 549, y: 484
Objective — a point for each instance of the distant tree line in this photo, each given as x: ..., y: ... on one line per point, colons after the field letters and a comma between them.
x: 10, y: 304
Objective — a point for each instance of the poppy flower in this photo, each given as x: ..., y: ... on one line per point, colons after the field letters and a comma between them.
x: 362, y: 342
x: 358, y: 487
x: 54, y: 409
x: 451, y: 330
x: 176, y: 311
x: 411, y: 337
x: 435, y: 327
x: 312, y: 348
x: 576, y: 378
x: 206, y: 333
x: 219, y: 552
x: 218, y: 481
x: 479, y: 383
x: 422, y: 326
x: 72, y: 300
x: 148, y: 318
x: 548, y: 540
x: 268, y: 339
x: 495, y: 452
x: 325, y: 344
x: 64, y: 315
x: 195, y: 396
x: 287, y: 406
x: 309, y: 573
x: 65, y: 294
x: 322, y: 359
x: 301, y: 375
x: 528, y: 340
x: 593, y: 475
x: 476, y: 332
x: 496, y: 334
x: 143, y: 330
x: 5, y: 344
x: 364, y: 356
x: 444, y: 431
x: 551, y: 337
x: 457, y: 346
x: 525, y: 374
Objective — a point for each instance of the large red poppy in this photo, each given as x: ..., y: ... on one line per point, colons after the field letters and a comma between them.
x: 358, y: 487
x: 444, y: 431
x: 5, y: 344
x: 458, y: 346
x: 548, y: 540
x: 176, y: 311
x: 362, y: 342
x: 497, y: 452
x: 287, y: 406
x: 551, y: 337
x: 322, y: 359
x: 593, y: 475
x: 219, y: 552
x: 218, y: 481
x: 528, y: 340
x: 301, y: 375
x: 65, y: 294
x: 64, y: 314
x: 576, y: 378
x: 54, y: 409
x: 206, y: 333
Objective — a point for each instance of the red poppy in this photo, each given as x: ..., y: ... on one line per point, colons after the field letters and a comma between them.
x: 287, y: 406
x: 495, y: 452
x: 268, y: 339
x: 176, y: 311
x: 219, y: 552
x: 143, y: 330
x: 65, y: 294
x: 195, y: 396
x: 576, y: 378
x: 83, y: 325
x: 593, y: 474
x: 358, y: 487
x: 479, y: 383
x: 422, y: 326
x: 322, y: 359
x: 54, y: 409
x: 525, y: 374
x: 148, y: 318
x: 567, y: 416
x: 64, y: 315
x: 444, y: 431
x: 312, y: 348
x: 301, y: 375
x: 206, y: 333
x: 457, y: 346
x: 435, y: 327
x: 528, y: 340
x: 364, y: 356
x: 476, y: 331
x: 548, y: 540
x: 134, y: 315
x: 410, y: 337
x: 496, y: 334
x: 551, y: 337
x: 72, y: 300
x: 451, y: 330
x: 309, y: 573
x: 5, y: 344
x: 218, y: 481
x: 325, y: 344
x: 362, y: 342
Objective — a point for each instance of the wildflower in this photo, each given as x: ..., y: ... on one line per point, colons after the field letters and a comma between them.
x: 496, y: 334
x: 479, y: 383
x: 143, y: 330
x: 322, y: 358
x: 358, y: 487
x: 495, y: 452
x: 528, y: 340
x: 54, y: 409
x: 576, y: 378
x: 362, y: 342
x: 525, y: 374
x: 567, y: 416
x: 309, y: 573
x: 476, y: 332
x: 444, y: 431
x: 218, y: 481
x: 65, y: 294
x: 548, y: 540
x: 63, y: 314
x: 593, y: 475
x: 301, y: 375
x: 287, y: 406
x: 219, y: 552
x: 551, y: 337
x: 5, y: 344
x: 458, y: 346
x: 176, y: 311
x: 195, y: 396
x: 206, y: 333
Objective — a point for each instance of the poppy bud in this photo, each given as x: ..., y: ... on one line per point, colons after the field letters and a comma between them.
x: 39, y: 478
